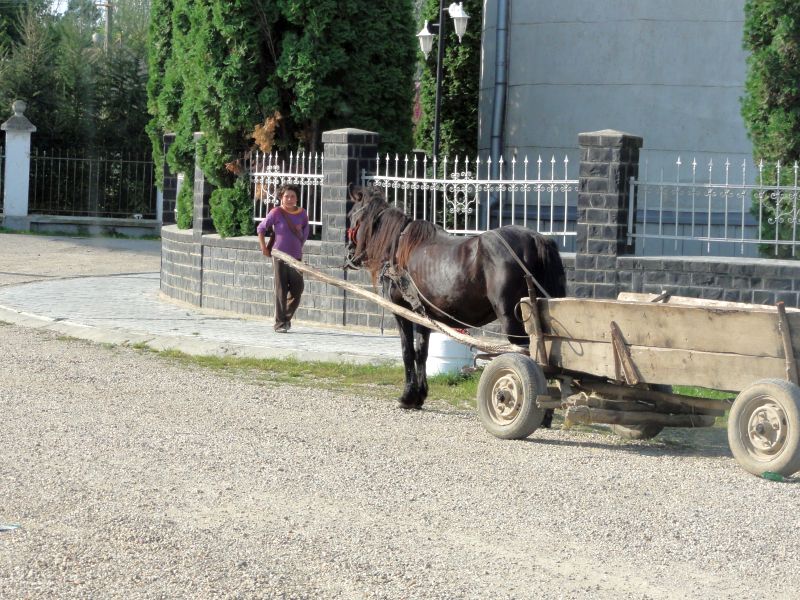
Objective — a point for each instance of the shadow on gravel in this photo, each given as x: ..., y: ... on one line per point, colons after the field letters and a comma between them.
x: 711, y: 442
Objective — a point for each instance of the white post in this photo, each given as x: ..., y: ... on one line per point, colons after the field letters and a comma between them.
x: 18, y: 165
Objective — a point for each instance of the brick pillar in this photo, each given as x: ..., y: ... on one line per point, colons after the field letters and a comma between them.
x: 347, y: 152
x: 201, y: 213
x: 170, y: 184
x: 608, y: 160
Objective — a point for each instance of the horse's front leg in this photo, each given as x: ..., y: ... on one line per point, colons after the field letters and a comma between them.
x: 422, y: 337
x: 410, y: 397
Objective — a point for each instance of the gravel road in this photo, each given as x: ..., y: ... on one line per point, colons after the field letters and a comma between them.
x: 132, y: 476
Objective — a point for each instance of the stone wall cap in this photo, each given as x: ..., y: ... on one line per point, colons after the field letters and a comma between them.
x: 18, y: 121
x: 609, y: 132
x: 351, y: 130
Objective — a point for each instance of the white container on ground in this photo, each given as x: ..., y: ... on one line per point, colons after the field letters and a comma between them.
x: 445, y: 355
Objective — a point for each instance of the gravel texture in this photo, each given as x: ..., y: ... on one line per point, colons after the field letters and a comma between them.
x: 133, y: 476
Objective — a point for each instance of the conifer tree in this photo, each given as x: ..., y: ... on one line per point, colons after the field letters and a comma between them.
x: 295, y: 67
x: 771, y: 104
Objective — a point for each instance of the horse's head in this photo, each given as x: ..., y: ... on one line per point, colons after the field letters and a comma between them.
x: 361, y: 219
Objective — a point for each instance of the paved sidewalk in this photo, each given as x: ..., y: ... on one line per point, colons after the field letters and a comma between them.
x: 126, y: 308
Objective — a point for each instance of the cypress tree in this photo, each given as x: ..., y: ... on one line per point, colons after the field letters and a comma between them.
x: 771, y: 104
x: 458, y: 119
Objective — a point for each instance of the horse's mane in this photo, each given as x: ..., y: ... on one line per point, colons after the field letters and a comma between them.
x: 389, y: 234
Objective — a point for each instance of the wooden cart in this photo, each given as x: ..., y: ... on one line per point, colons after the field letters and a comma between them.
x: 614, y: 362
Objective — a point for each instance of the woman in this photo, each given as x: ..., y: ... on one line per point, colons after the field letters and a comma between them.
x: 290, y: 224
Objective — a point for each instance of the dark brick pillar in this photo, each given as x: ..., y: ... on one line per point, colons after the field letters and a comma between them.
x: 201, y: 221
x: 608, y: 160
x: 170, y: 186
x: 347, y: 152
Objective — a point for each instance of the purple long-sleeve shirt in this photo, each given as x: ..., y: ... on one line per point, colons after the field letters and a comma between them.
x: 285, y: 239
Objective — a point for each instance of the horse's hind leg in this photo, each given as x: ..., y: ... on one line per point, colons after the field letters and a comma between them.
x: 422, y: 336
x: 410, y: 397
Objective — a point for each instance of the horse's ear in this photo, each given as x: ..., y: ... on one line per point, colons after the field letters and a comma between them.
x: 356, y: 192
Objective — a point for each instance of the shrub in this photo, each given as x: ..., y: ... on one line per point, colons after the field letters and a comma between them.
x: 232, y: 209
x: 184, y: 205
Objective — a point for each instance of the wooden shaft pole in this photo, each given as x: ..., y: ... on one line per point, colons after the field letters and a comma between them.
x: 398, y: 310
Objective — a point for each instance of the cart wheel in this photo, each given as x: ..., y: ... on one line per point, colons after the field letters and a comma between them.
x: 637, y: 432
x: 764, y: 427
x: 642, y: 432
x: 507, y: 396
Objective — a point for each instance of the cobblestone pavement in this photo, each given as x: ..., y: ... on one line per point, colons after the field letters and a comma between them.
x: 107, y: 290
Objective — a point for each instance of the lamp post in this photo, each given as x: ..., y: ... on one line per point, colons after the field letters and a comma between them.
x: 425, y: 36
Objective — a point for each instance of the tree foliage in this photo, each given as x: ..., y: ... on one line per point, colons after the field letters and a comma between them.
x: 771, y: 104
x: 458, y: 121
x: 78, y: 95
x: 276, y: 73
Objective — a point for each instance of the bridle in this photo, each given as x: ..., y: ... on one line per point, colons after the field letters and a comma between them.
x: 351, y: 257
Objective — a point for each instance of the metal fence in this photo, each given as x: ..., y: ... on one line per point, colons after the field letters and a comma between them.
x: 268, y: 172
x: 468, y: 197
x: 717, y: 209
x: 111, y: 184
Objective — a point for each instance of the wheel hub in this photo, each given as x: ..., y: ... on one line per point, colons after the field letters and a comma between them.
x: 767, y: 429
x: 506, y: 398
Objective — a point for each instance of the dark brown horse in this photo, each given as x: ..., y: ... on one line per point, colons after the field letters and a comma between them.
x: 460, y: 280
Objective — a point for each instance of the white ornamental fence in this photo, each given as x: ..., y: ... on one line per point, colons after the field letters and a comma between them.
x: 468, y: 197
x: 743, y: 210
x: 268, y: 172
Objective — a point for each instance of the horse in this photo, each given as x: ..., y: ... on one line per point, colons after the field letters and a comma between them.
x: 460, y: 281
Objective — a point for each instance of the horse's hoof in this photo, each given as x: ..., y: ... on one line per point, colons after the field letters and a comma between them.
x: 547, y: 421
x: 413, y: 405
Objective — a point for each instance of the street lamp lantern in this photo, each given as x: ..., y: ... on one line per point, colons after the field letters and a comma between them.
x: 460, y: 18
x: 425, y: 40
x: 425, y: 36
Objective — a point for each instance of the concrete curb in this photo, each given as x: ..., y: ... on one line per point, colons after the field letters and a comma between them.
x: 193, y: 347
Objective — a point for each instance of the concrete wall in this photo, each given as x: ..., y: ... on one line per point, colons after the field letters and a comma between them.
x: 672, y: 72
x: 232, y: 275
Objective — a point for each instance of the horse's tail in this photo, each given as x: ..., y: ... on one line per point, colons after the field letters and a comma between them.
x: 549, y: 270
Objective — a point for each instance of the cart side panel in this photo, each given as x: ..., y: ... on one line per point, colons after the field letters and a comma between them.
x: 716, y: 370
x: 707, y: 329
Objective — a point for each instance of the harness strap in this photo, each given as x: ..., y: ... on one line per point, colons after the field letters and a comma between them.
x: 520, y: 263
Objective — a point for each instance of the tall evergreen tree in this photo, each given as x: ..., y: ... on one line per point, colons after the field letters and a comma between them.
x: 297, y: 66
x: 11, y: 13
x: 78, y: 95
x: 458, y: 119
x: 771, y: 104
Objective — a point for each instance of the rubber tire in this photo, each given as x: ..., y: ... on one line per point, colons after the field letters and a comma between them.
x: 642, y: 432
x: 787, y: 396
x: 531, y: 383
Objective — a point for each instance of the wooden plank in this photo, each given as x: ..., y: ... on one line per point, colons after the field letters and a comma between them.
x: 786, y: 338
x: 714, y: 370
x: 687, y: 301
x: 708, y: 329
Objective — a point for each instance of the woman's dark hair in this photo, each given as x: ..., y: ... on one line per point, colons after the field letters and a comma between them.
x: 289, y: 187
